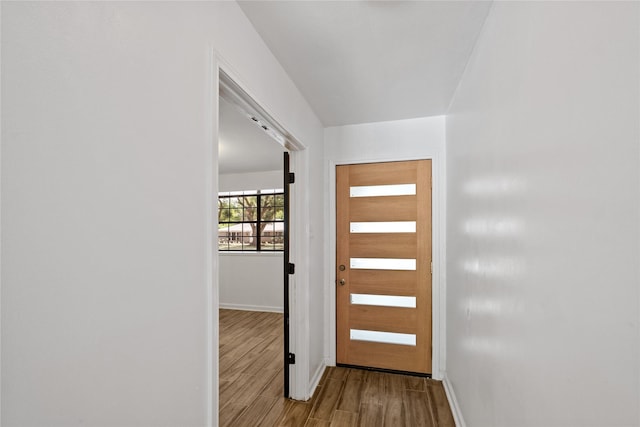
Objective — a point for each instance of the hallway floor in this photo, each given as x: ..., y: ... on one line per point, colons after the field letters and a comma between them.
x: 251, y: 386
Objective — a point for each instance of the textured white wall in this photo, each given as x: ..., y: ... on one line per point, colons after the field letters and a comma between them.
x: 543, y: 193
x: 421, y: 138
x: 104, y: 220
x: 251, y: 281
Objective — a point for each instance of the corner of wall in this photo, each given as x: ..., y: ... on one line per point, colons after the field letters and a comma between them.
x: 453, y: 402
x: 315, y: 379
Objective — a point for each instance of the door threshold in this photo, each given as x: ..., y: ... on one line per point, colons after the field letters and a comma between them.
x: 388, y: 371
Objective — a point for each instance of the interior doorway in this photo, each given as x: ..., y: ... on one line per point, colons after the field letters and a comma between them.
x: 253, y: 224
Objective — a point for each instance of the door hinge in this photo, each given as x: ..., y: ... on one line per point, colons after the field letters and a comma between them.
x: 432, y: 268
x: 292, y: 178
x: 291, y: 268
x: 291, y: 359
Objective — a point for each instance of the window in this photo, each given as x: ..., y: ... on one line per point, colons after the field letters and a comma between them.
x: 251, y: 220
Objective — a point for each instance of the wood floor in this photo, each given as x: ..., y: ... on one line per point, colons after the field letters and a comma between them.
x: 251, y: 386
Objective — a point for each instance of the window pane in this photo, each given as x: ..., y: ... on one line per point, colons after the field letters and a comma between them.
x: 223, y: 209
x: 267, y: 236
x: 249, y: 208
x: 268, y: 228
x: 235, y: 245
x: 280, y: 214
x: 235, y: 214
x: 267, y: 213
x: 235, y: 209
x: 272, y: 236
x: 266, y: 244
x: 250, y: 240
x: 223, y: 237
x: 280, y: 200
x: 249, y: 244
x: 248, y: 201
x: 271, y: 244
x: 266, y: 200
x: 224, y: 215
x: 248, y: 229
x: 249, y: 214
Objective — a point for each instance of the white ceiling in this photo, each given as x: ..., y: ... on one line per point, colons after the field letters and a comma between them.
x: 244, y: 147
x: 370, y: 61
x: 355, y: 62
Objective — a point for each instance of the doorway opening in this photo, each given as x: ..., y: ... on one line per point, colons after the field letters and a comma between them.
x: 252, y: 249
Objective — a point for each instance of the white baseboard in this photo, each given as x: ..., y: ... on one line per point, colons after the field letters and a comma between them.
x: 245, y: 307
x: 317, y: 376
x: 453, y: 402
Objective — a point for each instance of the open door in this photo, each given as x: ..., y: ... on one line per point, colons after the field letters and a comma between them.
x: 235, y: 95
x: 288, y: 269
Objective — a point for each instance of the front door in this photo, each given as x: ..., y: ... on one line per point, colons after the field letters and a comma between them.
x: 383, y: 265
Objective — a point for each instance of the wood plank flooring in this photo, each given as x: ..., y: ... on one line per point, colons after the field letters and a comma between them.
x: 251, y: 386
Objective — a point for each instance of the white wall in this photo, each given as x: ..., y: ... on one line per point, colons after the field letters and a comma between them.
x: 251, y: 281
x: 543, y: 218
x: 421, y: 138
x: 251, y: 181
x: 107, y: 131
x: 314, y: 263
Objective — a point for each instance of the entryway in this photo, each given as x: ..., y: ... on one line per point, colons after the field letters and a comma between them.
x: 254, y: 226
x: 384, y: 266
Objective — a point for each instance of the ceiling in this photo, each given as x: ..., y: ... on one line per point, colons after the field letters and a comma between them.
x: 370, y: 61
x: 244, y: 146
x: 355, y: 62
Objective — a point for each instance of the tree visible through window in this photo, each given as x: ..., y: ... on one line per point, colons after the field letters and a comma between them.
x: 251, y: 220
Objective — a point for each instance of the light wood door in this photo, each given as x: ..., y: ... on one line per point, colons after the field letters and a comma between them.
x: 383, y: 265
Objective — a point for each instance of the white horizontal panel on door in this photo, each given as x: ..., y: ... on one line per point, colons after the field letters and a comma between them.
x: 383, y: 227
x: 383, y: 337
x: 382, y: 264
x: 383, y: 300
x: 383, y: 190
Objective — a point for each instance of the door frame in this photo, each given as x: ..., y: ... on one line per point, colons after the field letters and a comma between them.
x: 438, y: 232
x: 298, y: 283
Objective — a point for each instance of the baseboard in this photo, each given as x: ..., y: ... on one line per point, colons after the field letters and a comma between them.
x: 453, y: 402
x: 245, y: 307
x: 317, y: 376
